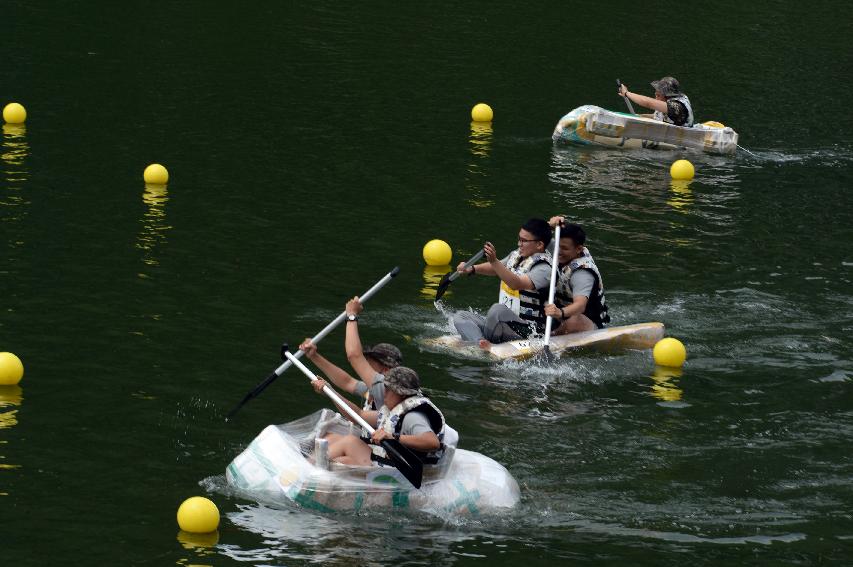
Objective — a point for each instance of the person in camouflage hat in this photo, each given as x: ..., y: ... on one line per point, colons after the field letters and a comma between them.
x: 670, y: 104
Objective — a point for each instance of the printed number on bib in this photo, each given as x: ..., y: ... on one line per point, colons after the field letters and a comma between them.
x: 510, y: 298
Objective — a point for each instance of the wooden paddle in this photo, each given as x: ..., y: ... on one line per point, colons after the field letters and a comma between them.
x: 549, y: 356
x: 403, y: 458
x: 316, y: 339
x: 628, y: 102
x: 450, y: 277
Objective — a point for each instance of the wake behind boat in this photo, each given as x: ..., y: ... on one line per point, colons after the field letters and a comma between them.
x: 593, y: 125
x: 612, y: 339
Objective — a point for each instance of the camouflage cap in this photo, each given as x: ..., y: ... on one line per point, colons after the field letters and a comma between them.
x: 404, y: 381
x: 668, y: 86
x: 385, y: 354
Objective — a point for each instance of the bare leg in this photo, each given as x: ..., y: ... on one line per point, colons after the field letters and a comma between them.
x: 350, y: 450
x: 575, y: 324
x: 484, y: 344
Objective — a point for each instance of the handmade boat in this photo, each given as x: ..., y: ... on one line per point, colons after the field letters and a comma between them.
x: 285, y: 463
x: 611, y: 339
x: 590, y: 124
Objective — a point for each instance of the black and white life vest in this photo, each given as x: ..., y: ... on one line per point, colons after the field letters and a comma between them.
x: 528, y: 304
x: 664, y: 117
x: 596, y: 307
x: 392, y: 422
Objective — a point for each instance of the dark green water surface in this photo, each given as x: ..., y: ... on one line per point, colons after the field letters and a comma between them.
x: 314, y: 146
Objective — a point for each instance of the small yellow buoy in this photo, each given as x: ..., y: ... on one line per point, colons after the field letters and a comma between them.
x: 482, y: 113
x: 156, y: 174
x: 682, y: 169
x: 670, y: 352
x: 437, y: 253
x: 198, y: 515
x: 11, y: 369
x: 14, y: 113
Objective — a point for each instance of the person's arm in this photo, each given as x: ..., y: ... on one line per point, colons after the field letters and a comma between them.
x: 506, y: 275
x: 644, y: 101
x: 368, y: 416
x: 576, y: 307
x: 338, y: 376
x: 415, y: 433
x: 582, y: 284
x: 352, y: 343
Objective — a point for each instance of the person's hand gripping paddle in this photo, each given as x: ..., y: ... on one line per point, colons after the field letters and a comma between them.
x: 403, y: 458
x: 450, y: 277
x: 627, y: 100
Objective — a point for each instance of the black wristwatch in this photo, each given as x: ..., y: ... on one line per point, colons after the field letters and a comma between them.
x: 352, y: 318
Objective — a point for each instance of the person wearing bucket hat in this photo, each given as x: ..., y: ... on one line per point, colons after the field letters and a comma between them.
x: 670, y: 104
x: 406, y: 416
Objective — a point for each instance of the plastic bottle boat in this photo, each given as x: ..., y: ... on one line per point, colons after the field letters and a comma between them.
x: 590, y: 124
x: 288, y: 463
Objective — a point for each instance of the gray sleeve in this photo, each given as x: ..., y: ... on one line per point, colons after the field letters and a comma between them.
x: 377, y: 390
x: 540, y: 275
x: 582, y: 282
x: 415, y: 423
x: 360, y: 388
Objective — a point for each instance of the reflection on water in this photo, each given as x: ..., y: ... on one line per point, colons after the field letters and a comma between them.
x: 432, y: 277
x: 480, y: 146
x: 665, y: 384
x: 11, y: 398
x: 14, y: 153
x: 202, y: 545
x: 681, y: 196
x: 154, y: 225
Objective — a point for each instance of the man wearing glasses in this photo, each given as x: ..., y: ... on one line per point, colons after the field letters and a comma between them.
x: 525, y: 275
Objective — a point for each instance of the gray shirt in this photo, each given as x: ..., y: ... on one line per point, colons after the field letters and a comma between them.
x: 415, y: 423
x: 377, y: 390
x: 540, y: 274
x: 581, y: 282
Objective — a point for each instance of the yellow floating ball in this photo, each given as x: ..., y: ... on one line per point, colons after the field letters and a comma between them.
x: 11, y: 369
x: 682, y: 169
x: 670, y: 352
x: 482, y: 113
x: 14, y: 113
x: 198, y: 515
x: 437, y: 253
x: 156, y: 174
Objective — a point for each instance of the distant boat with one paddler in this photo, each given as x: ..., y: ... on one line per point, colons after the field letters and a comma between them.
x: 610, y: 339
x: 275, y: 468
x: 593, y: 125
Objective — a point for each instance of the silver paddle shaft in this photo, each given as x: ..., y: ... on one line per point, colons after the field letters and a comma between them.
x: 329, y: 392
x: 474, y: 259
x: 551, y: 289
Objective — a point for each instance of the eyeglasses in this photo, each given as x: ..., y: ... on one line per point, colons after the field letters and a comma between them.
x: 526, y: 240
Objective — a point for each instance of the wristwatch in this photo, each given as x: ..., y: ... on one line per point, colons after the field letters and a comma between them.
x: 351, y: 317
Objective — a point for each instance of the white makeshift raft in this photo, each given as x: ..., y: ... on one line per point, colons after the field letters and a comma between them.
x: 590, y: 124
x: 611, y: 339
x: 275, y: 467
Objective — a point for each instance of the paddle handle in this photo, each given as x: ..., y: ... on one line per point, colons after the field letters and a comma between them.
x: 553, y: 286
x: 329, y: 392
x: 627, y: 101
x: 340, y: 318
x: 473, y: 260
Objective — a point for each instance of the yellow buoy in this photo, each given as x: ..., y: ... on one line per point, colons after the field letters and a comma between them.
x: 14, y: 113
x: 682, y: 169
x: 198, y: 515
x: 156, y: 174
x: 670, y: 352
x: 437, y: 253
x: 11, y: 369
x: 482, y: 113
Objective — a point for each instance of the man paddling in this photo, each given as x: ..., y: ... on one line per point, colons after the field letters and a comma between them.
x: 579, y: 298
x: 670, y: 104
x: 406, y: 416
x: 525, y: 276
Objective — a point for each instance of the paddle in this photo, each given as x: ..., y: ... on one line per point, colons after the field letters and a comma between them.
x: 548, y: 323
x: 627, y: 101
x: 403, y: 458
x: 316, y: 339
x: 450, y: 277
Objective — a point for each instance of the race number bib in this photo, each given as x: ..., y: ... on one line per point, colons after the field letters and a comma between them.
x: 510, y: 298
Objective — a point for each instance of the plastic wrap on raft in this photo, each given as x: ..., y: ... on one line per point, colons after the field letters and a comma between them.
x: 275, y: 467
x: 590, y: 124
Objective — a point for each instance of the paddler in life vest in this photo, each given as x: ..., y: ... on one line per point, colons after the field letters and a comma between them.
x: 670, y: 104
x: 525, y: 276
x: 579, y: 294
x: 407, y: 415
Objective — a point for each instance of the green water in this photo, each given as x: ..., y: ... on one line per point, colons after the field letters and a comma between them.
x: 312, y: 147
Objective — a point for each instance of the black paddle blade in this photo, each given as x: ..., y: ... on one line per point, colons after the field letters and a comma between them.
x: 443, y: 285
x: 405, y: 460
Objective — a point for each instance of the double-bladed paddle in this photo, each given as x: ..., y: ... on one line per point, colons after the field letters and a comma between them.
x: 450, y: 277
x: 316, y: 339
x: 403, y: 458
x: 549, y: 356
x: 628, y: 102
